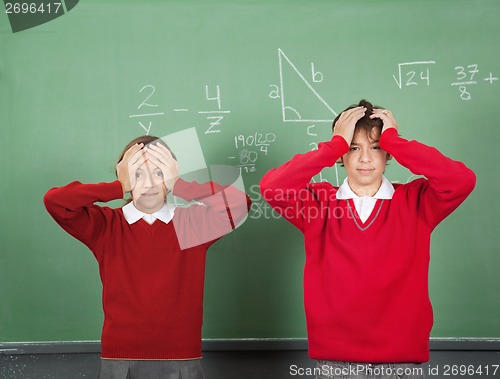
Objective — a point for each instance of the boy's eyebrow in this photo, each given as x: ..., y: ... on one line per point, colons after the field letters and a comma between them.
x: 371, y: 143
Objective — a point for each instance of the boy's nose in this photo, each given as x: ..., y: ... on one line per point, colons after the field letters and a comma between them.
x: 365, y: 156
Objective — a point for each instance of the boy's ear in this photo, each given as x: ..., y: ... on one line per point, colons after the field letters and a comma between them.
x: 389, y: 156
x: 340, y: 160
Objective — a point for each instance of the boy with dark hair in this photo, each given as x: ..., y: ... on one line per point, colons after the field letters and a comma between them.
x: 367, y: 243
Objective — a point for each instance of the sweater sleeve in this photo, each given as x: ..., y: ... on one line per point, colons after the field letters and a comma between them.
x: 72, y: 207
x: 448, y: 182
x: 222, y: 209
x: 286, y: 188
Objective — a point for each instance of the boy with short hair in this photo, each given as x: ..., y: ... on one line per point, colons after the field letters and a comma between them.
x: 367, y: 242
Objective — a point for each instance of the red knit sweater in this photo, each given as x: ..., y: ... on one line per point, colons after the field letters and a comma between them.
x: 366, y: 284
x: 152, y: 292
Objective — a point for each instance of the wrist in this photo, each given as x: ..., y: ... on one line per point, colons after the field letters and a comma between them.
x: 342, y: 142
x: 386, y: 138
x: 170, y: 184
x: 346, y: 139
x: 124, y: 188
x: 389, y: 128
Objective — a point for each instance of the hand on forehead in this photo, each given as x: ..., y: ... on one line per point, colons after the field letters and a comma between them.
x: 159, y: 155
x: 145, y: 163
x: 142, y: 161
x: 153, y: 155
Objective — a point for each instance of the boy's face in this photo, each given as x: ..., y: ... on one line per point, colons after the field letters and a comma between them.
x: 149, y: 192
x: 365, y: 163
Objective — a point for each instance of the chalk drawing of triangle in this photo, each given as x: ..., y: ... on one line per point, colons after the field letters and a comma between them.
x: 292, y: 114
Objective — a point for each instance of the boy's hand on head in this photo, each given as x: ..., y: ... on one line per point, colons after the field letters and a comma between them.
x: 387, y: 118
x: 160, y: 156
x: 344, y: 126
x: 126, y: 168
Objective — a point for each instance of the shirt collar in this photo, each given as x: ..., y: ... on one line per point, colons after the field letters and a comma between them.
x: 132, y: 214
x: 385, y: 191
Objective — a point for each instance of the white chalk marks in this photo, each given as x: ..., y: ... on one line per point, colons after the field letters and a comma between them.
x: 418, y: 73
x: 289, y: 73
x: 414, y: 73
x: 149, y: 90
x: 147, y: 109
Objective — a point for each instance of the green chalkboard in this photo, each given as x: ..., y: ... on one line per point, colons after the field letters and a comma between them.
x: 259, y: 81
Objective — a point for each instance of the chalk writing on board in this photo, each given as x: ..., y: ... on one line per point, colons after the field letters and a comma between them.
x: 317, y: 77
x: 250, y: 147
x: 310, y: 131
x: 290, y: 114
x: 149, y: 91
x: 466, y: 76
x: 215, y: 116
x: 491, y: 78
x: 148, y: 107
x: 413, y: 73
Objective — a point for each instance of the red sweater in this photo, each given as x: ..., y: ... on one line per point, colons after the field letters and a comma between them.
x: 366, y: 284
x: 152, y: 290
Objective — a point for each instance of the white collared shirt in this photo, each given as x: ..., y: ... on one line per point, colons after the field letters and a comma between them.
x: 132, y: 214
x: 365, y: 204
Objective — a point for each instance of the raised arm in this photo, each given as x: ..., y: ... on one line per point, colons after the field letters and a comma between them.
x: 286, y: 188
x: 448, y: 183
x: 72, y: 207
